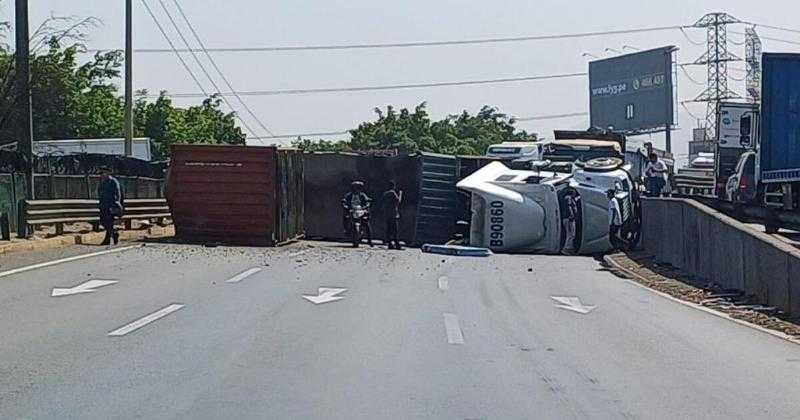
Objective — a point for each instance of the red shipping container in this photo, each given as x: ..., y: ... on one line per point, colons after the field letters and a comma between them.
x: 238, y: 195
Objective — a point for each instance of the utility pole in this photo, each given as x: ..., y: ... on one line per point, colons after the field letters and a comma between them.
x: 753, y: 50
x: 716, y: 59
x: 23, y: 93
x: 128, y: 78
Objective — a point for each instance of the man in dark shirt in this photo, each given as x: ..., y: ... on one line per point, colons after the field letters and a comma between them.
x: 391, y: 206
x: 109, y: 195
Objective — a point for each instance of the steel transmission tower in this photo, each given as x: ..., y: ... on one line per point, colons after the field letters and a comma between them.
x: 716, y: 58
x: 753, y: 50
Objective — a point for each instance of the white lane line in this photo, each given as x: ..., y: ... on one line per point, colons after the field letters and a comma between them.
x: 444, y: 283
x: 141, y: 322
x: 66, y: 260
x: 243, y: 275
x: 454, y: 335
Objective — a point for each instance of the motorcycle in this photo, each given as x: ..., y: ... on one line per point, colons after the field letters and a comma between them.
x: 358, y: 214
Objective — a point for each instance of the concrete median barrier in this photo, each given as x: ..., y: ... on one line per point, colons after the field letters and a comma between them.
x: 721, y: 250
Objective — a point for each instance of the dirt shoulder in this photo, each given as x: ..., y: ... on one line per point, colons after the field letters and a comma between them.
x: 40, y: 243
x: 643, y: 269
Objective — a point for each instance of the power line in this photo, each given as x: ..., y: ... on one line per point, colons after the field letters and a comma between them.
x: 688, y: 38
x: 786, y: 41
x: 173, y: 49
x: 385, y: 87
x: 552, y: 117
x: 422, y: 43
x: 777, y: 28
x: 288, y: 136
x: 200, y: 63
x: 218, y: 70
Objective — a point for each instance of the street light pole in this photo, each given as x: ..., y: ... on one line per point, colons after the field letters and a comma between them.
x: 23, y: 93
x: 128, y: 78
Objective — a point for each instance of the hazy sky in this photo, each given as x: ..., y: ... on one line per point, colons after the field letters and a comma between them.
x: 242, y: 23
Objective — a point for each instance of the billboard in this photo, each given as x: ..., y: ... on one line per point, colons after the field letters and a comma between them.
x: 737, y: 125
x: 632, y: 93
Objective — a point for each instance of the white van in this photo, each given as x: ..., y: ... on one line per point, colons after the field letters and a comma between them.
x: 516, y: 150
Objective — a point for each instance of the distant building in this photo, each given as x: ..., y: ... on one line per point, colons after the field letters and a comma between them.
x: 115, y: 146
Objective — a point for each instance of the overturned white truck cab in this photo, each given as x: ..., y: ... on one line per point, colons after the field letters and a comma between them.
x: 544, y: 212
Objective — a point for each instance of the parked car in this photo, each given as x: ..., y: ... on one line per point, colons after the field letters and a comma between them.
x: 515, y: 150
x: 742, y: 186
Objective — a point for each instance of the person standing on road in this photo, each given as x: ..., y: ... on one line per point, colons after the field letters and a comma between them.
x: 391, y: 207
x: 109, y: 195
x: 655, y: 172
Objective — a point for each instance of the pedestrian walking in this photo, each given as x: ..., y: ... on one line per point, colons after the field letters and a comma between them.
x: 391, y: 206
x: 655, y: 172
x: 110, y: 204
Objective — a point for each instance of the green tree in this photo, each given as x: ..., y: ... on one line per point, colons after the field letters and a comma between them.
x: 201, y: 124
x: 72, y: 100
x: 321, y: 145
x: 409, y: 132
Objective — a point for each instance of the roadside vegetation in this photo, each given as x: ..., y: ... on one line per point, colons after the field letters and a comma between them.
x: 72, y: 100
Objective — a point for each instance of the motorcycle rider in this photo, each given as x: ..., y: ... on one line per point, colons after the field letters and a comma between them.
x: 357, y: 197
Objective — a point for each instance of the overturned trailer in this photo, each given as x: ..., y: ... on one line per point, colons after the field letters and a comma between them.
x: 547, y: 212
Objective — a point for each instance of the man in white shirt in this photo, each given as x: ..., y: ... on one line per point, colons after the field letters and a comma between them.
x: 655, y: 173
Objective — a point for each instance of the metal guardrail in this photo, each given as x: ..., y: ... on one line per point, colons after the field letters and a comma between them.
x: 60, y: 212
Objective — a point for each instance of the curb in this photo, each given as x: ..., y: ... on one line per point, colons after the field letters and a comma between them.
x: 609, y: 260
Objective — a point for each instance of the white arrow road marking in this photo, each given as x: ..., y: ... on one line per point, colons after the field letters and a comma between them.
x: 87, y: 287
x: 454, y: 335
x: 241, y: 276
x: 573, y: 304
x: 325, y: 295
x: 141, y: 322
x: 66, y: 260
x: 444, y: 283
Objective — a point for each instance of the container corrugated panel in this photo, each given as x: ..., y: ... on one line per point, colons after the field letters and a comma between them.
x: 327, y: 180
x: 290, y: 195
x: 780, y: 118
x: 439, y: 207
x: 224, y: 194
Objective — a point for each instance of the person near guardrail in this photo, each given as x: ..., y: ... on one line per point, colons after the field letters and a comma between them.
x: 391, y: 210
x: 110, y: 202
x: 655, y: 172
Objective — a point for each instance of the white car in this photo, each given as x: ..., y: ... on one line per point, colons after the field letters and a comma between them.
x: 515, y: 151
x: 546, y: 212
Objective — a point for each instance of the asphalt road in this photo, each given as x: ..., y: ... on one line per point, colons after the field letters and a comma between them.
x: 414, y: 336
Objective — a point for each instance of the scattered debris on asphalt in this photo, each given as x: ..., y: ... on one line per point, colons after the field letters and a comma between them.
x: 463, y: 251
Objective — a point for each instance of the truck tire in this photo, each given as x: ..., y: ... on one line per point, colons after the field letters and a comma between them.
x: 603, y: 164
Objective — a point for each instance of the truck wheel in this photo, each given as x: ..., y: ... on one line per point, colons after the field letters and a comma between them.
x: 603, y: 164
x: 771, y: 229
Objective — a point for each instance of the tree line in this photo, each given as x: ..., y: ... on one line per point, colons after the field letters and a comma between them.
x: 414, y: 131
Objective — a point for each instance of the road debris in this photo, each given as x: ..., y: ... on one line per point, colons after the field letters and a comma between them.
x: 463, y: 251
